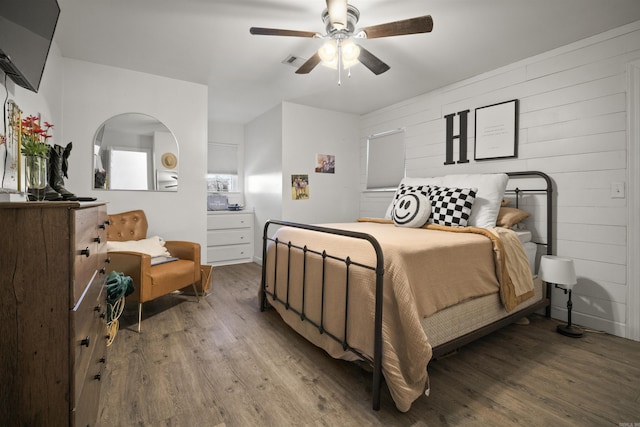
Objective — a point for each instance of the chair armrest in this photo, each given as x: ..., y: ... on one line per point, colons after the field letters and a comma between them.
x: 133, y: 264
x: 184, y: 250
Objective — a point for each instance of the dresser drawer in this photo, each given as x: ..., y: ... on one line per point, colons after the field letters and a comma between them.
x: 88, y: 321
x: 85, y: 411
x: 229, y: 237
x: 235, y: 220
x: 229, y: 253
x: 86, y: 249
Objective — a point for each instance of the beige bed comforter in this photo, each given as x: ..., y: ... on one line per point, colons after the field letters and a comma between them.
x: 425, y: 270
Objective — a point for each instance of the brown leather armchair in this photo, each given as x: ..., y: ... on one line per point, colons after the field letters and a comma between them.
x: 151, y: 282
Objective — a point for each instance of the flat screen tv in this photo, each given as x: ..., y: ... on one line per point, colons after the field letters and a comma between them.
x: 26, y: 32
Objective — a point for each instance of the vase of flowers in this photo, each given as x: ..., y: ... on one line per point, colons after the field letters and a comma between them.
x: 35, y: 150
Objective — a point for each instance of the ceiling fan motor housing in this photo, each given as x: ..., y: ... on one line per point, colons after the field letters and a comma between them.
x: 353, y: 15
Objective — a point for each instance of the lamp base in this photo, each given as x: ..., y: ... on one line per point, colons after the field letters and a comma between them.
x: 569, y: 331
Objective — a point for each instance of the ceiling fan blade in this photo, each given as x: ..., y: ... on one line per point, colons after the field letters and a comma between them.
x: 278, y: 32
x: 421, y: 24
x: 337, y: 10
x: 309, y: 64
x: 372, y: 62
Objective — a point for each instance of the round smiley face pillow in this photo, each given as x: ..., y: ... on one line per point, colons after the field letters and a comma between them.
x: 411, y: 210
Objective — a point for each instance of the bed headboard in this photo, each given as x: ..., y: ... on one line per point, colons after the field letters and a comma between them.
x: 535, y: 189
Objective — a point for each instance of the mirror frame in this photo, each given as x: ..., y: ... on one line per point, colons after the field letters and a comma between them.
x: 156, y: 155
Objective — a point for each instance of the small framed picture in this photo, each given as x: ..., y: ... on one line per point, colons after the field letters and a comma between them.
x: 325, y: 163
x: 496, y: 133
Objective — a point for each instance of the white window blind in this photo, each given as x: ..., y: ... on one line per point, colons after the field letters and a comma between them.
x: 385, y: 160
x: 222, y: 159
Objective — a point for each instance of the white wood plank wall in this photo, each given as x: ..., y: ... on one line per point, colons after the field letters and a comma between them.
x: 573, y: 115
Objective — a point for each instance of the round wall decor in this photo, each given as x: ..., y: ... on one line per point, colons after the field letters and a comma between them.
x: 169, y: 160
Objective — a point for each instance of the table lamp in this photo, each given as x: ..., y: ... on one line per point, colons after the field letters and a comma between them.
x: 561, y: 272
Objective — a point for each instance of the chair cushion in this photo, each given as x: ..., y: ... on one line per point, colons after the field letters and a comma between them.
x: 172, y: 276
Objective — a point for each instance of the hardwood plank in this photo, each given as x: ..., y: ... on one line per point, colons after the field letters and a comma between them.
x: 222, y: 362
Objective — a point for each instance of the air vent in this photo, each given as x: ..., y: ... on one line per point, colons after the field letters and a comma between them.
x: 294, y: 61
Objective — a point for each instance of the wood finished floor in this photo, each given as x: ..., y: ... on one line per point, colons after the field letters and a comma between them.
x: 222, y: 362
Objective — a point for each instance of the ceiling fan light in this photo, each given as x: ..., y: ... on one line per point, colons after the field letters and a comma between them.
x: 350, y: 52
x: 329, y: 51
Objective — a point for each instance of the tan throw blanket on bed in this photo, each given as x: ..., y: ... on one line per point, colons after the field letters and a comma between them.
x: 425, y: 271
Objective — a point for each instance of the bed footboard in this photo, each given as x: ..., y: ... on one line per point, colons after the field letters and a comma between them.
x: 268, y: 297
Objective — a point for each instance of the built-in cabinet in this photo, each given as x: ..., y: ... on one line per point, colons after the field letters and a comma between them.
x: 229, y: 237
x: 52, y: 312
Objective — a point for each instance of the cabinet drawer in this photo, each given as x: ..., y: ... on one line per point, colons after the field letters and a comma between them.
x: 86, y: 249
x: 229, y: 253
x: 240, y: 220
x: 229, y: 237
x: 88, y: 320
x: 87, y: 403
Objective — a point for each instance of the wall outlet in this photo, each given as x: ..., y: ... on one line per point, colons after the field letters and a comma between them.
x: 617, y: 190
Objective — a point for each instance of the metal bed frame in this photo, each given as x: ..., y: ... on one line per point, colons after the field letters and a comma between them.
x: 267, y: 297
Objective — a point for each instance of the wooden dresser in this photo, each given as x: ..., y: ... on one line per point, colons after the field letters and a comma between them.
x: 52, y: 312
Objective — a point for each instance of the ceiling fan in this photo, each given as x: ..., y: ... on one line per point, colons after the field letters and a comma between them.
x: 340, y: 50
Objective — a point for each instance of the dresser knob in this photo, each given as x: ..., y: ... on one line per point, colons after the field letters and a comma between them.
x: 86, y: 252
x: 85, y: 342
x: 103, y: 315
x: 102, y: 360
x: 103, y: 270
x: 97, y: 377
x: 97, y: 240
x: 97, y: 307
x: 107, y: 261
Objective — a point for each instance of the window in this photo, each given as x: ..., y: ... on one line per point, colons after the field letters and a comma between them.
x: 222, y: 167
x: 385, y: 160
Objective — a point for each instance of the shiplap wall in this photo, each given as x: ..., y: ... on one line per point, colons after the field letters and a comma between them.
x: 573, y: 115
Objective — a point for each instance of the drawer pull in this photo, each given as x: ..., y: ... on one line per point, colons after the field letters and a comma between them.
x: 85, y: 342
x: 104, y: 224
x: 102, y: 360
x: 97, y: 240
x: 103, y: 270
x: 107, y: 261
x: 97, y: 377
x: 86, y: 252
x: 103, y: 315
x: 97, y: 307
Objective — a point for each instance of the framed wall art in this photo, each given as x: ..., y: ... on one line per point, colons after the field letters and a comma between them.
x: 496, y: 133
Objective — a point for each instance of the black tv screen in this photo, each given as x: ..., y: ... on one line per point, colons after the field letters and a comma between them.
x: 26, y: 32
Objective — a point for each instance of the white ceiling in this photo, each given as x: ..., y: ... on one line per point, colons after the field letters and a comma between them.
x: 208, y: 42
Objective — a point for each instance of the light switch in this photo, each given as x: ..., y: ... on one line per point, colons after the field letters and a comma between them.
x: 617, y: 190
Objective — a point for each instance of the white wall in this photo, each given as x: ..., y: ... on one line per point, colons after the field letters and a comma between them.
x: 573, y: 116
x: 92, y: 94
x: 310, y: 131
x: 285, y: 141
x: 47, y: 102
x: 263, y: 171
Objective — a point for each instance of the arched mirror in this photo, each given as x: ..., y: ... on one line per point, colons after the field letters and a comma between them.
x: 135, y: 151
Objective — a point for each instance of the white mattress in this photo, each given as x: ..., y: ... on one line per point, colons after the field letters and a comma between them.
x: 523, y: 235
x: 460, y: 319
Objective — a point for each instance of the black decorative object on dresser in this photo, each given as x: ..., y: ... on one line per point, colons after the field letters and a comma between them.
x: 52, y: 312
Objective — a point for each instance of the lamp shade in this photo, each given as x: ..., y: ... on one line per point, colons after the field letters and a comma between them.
x: 558, y: 270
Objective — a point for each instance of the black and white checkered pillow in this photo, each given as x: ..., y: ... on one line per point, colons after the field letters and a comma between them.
x: 451, y: 206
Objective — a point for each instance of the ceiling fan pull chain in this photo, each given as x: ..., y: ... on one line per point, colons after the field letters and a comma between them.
x: 339, y: 43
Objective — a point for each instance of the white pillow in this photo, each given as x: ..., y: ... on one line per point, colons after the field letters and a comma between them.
x: 411, y: 182
x: 412, y: 210
x: 153, y: 246
x: 486, y: 205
